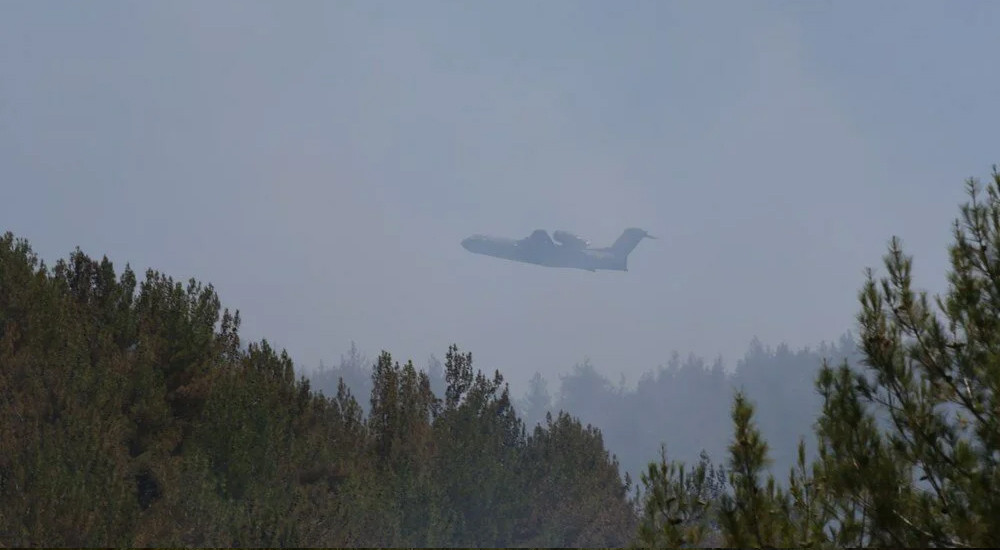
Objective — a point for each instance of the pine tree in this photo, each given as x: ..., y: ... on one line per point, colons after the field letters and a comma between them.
x: 912, y: 444
x: 908, y: 443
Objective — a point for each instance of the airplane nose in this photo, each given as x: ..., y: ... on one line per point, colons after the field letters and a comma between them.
x: 466, y: 243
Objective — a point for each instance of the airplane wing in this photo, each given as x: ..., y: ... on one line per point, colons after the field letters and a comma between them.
x: 538, y: 237
x: 537, y: 244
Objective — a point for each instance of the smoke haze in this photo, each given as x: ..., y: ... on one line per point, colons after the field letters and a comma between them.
x: 319, y: 163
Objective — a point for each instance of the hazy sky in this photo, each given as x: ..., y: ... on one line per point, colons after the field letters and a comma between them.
x: 319, y: 162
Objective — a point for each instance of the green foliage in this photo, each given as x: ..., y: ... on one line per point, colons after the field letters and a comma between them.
x: 574, y: 494
x: 680, y: 506
x: 132, y: 415
x: 753, y: 515
x: 908, y: 445
x: 480, y: 444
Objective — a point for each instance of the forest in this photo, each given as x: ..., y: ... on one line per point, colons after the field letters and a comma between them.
x: 689, y: 398
x: 132, y: 413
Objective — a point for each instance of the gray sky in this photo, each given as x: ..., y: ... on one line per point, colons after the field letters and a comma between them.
x: 319, y: 162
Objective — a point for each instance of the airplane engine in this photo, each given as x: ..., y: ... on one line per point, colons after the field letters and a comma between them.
x: 566, y: 238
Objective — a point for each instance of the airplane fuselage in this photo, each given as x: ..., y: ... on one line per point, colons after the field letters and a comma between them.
x: 549, y: 255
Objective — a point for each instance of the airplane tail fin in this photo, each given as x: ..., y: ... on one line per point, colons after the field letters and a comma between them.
x: 627, y: 242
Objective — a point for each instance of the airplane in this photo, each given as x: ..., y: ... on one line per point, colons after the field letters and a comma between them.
x: 572, y: 251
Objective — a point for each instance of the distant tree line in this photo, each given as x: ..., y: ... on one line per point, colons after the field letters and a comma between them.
x: 684, y: 404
